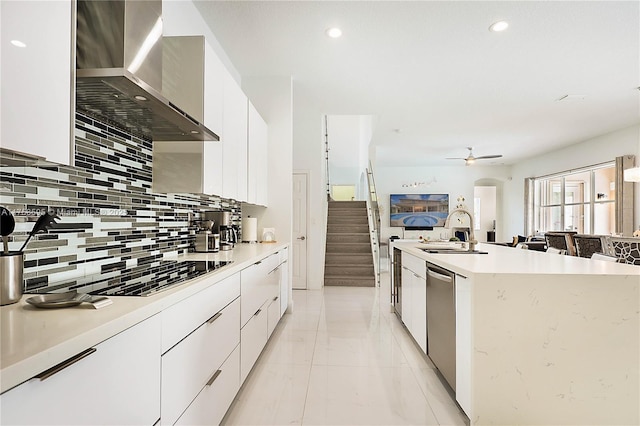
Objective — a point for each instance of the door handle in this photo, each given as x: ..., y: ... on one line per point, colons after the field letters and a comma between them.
x: 302, y: 238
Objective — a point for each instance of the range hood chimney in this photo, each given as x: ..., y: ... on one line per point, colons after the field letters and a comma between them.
x: 119, y: 71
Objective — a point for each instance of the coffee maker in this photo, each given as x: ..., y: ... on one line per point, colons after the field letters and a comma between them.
x: 207, y: 236
x: 225, y: 228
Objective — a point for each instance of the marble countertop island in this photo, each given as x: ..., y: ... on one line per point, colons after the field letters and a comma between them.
x: 544, y: 338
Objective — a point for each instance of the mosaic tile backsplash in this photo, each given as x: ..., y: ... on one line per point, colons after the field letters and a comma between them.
x: 109, y: 216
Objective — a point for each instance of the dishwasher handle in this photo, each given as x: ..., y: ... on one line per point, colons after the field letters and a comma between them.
x: 439, y: 276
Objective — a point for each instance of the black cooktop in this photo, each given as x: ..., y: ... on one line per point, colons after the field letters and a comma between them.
x: 139, y: 280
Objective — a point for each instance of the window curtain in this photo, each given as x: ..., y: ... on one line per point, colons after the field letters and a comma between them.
x: 624, y: 196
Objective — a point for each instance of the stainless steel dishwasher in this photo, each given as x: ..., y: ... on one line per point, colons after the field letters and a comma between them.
x: 441, y: 321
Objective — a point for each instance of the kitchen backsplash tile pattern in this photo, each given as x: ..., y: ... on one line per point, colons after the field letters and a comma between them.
x: 109, y: 216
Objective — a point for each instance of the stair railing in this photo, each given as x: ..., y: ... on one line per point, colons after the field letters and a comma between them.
x: 373, y: 213
x: 326, y: 155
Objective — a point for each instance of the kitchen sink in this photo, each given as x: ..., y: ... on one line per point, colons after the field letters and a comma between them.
x: 452, y: 251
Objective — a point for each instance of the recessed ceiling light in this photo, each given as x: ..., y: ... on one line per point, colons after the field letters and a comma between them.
x: 140, y: 98
x: 334, y: 32
x: 194, y: 132
x: 18, y: 43
x: 499, y: 26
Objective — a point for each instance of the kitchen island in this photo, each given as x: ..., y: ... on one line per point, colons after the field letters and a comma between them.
x: 543, y: 338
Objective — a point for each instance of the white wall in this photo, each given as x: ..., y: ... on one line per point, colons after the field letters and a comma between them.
x: 453, y: 180
x: 272, y: 97
x: 308, y: 156
x: 349, y: 139
x: 182, y: 18
x: 593, y: 151
x: 487, y: 195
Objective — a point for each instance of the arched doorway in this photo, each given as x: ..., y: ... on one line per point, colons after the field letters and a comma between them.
x: 488, y: 209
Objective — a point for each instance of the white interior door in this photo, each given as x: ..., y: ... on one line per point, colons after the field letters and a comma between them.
x: 299, y: 253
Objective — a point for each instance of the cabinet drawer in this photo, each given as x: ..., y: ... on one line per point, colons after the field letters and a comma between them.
x: 187, y: 367
x: 214, y: 400
x: 256, y: 286
x: 253, y: 337
x: 117, y: 384
x: 415, y: 264
x: 185, y: 316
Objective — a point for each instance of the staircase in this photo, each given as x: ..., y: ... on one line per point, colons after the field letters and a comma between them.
x: 348, y: 258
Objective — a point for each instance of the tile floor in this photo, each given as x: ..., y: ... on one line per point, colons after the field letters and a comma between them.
x: 342, y: 358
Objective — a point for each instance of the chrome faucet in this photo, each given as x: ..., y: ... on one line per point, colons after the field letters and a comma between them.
x: 472, y: 238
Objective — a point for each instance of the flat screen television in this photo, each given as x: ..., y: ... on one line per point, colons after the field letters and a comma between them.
x: 418, y: 210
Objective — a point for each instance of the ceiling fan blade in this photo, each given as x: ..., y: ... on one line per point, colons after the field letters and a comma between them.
x: 485, y: 157
x: 455, y: 158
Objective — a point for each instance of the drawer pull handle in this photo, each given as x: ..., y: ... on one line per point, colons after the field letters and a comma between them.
x: 257, y: 312
x: 275, y: 298
x: 258, y: 262
x: 214, y: 377
x: 64, y: 364
x: 215, y: 317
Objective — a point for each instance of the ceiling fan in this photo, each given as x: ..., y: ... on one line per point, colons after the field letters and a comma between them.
x: 471, y: 159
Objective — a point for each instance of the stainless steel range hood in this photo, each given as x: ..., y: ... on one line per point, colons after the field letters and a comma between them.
x: 119, y: 71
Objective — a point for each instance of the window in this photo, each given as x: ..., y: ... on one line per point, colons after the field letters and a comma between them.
x: 579, y: 200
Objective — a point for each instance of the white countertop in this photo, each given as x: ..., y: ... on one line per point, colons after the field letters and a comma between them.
x: 509, y: 260
x: 32, y: 339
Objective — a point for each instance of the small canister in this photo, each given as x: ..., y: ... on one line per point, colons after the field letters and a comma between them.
x: 11, y: 282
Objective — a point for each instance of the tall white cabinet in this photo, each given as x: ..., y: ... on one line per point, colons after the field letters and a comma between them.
x: 234, y: 140
x: 257, y: 161
x: 37, y: 80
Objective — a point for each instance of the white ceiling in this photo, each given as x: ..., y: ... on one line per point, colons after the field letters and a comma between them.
x: 434, y: 71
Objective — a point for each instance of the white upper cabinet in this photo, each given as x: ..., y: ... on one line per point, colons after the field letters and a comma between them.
x: 257, y: 153
x: 234, y: 141
x: 37, y: 96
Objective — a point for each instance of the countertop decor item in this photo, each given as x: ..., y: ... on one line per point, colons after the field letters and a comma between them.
x: 11, y: 282
x: 250, y: 230
x: 269, y: 235
x: 67, y: 300
x: 43, y: 223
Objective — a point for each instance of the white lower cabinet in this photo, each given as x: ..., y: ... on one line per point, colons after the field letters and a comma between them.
x: 117, y: 382
x: 414, y: 298
x: 407, y: 279
x: 212, y: 402
x: 253, y: 337
x: 182, y: 318
x: 258, y: 285
x: 192, y: 363
x: 184, y: 365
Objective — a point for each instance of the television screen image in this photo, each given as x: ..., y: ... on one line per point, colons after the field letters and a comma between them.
x: 418, y: 210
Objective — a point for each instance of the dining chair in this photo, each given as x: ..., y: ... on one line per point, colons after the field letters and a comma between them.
x: 627, y: 249
x: 562, y: 240
x: 587, y: 245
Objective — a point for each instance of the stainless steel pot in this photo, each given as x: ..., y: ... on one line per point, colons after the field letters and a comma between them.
x: 11, y: 282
